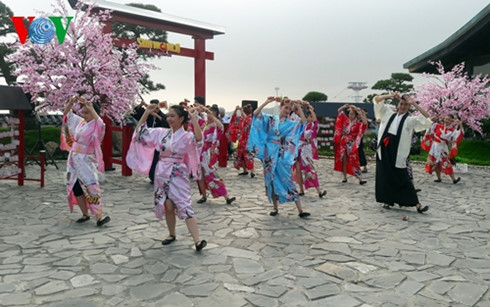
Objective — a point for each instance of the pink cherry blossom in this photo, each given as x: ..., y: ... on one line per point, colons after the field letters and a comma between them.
x: 86, y: 62
x: 456, y: 93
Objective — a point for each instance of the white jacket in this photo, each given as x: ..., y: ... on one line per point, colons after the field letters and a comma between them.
x: 412, y: 123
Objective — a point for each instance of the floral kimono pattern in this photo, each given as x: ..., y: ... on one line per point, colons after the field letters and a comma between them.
x: 179, y: 158
x: 82, y: 139
x: 306, y: 154
x: 209, y: 157
x: 234, y: 128
x: 444, y: 147
x: 426, y: 142
x: 244, y: 158
x: 347, y: 137
x: 275, y: 143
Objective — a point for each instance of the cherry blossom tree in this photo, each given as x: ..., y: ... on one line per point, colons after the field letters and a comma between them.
x: 86, y: 63
x: 456, y: 93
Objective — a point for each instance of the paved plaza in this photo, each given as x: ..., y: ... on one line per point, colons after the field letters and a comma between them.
x: 349, y: 252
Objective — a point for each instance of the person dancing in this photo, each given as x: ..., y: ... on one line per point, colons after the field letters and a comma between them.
x: 440, y: 157
x: 243, y: 158
x: 306, y: 175
x: 82, y: 136
x: 393, y: 183
x: 347, y: 137
x: 274, y: 140
x: 179, y: 157
x: 209, y: 156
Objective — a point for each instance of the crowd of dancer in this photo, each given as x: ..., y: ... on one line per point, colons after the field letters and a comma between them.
x: 183, y: 145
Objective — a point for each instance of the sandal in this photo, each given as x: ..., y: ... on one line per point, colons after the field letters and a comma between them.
x: 457, y: 180
x: 302, y: 193
x: 202, y: 200
x: 252, y: 175
x: 274, y: 212
x: 322, y: 194
x: 437, y: 180
x: 243, y: 174
x: 169, y: 240
x: 303, y: 214
x: 362, y: 182
x: 230, y: 200
x: 344, y: 181
x: 202, y: 244
x: 83, y: 219
x: 103, y: 221
x: 421, y: 209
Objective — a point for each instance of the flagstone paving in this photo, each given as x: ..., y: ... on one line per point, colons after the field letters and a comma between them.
x: 349, y: 252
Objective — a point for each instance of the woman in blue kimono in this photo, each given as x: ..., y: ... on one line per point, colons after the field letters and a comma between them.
x: 274, y: 140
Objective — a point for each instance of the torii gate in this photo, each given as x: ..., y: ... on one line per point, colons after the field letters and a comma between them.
x: 199, y: 31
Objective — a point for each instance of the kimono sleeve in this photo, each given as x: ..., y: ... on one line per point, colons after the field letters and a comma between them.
x: 258, y: 134
x: 339, y: 127
x: 419, y: 122
x: 360, y: 133
x: 68, y: 127
x: 193, y: 155
x: 142, y: 148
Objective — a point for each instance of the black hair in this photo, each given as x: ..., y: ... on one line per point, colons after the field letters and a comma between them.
x: 181, y: 112
x: 154, y: 101
x: 215, y: 110
x: 96, y: 106
x: 200, y: 99
x: 247, y: 109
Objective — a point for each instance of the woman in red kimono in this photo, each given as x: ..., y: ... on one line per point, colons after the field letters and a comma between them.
x: 445, y: 141
x: 244, y: 158
x: 348, y: 134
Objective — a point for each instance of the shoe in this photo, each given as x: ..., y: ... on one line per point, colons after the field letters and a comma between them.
x: 457, y: 180
x: 417, y: 190
x: 322, y: 194
x: 167, y: 241
x: 437, y: 180
x: 303, y: 214
x: 252, y: 175
x: 103, y: 221
x: 83, y: 219
x: 274, y: 212
x: 230, y: 200
x: 362, y: 182
x: 243, y: 174
x: 302, y: 193
x: 422, y: 209
x: 202, y: 200
x: 344, y: 181
x: 201, y: 245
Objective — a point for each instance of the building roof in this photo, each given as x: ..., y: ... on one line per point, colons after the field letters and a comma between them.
x: 469, y: 42
x: 186, y: 26
x: 13, y: 98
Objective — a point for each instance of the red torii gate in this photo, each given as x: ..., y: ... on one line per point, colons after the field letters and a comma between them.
x: 199, y: 31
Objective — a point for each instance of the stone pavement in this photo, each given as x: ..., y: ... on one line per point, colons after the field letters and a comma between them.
x: 350, y: 252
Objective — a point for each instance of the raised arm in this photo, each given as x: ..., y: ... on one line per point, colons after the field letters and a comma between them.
x: 342, y: 108
x: 313, y: 113
x: 422, y: 111
x: 380, y: 98
x: 266, y: 102
x: 151, y: 108
x: 70, y: 104
x: 362, y: 115
x: 299, y: 111
x: 89, y: 106
x: 195, y: 125
x: 216, y: 121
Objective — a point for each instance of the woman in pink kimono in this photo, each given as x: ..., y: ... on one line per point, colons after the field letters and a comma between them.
x: 179, y: 158
x: 209, y: 156
x: 81, y: 136
x: 306, y: 175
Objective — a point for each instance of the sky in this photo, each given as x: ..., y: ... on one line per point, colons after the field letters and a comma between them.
x: 297, y: 46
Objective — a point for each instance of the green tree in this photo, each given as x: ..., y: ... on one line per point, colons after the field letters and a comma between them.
x: 315, y: 97
x: 135, y: 31
x: 399, y: 82
x: 6, y: 27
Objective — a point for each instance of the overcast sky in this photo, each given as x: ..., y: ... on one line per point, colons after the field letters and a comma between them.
x: 298, y: 45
